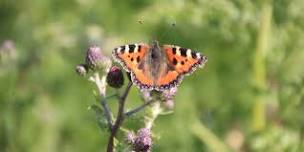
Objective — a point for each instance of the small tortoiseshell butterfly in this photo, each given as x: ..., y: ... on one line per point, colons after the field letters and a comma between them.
x: 155, y: 67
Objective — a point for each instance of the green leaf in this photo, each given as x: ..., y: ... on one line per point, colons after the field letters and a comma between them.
x: 213, y: 142
x: 168, y: 112
x: 102, y: 122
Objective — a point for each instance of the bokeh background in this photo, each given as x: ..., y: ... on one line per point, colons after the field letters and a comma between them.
x: 249, y: 97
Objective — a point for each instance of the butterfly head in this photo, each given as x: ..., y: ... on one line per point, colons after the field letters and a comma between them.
x: 155, y: 50
x: 155, y: 43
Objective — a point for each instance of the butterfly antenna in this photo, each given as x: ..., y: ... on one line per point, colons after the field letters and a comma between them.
x: 141, y: 22
x: 173, y: 25
x: 154, y: 40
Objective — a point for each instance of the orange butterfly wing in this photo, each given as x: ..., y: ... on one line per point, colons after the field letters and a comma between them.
x: 130, y: 57
x: 183, y: 61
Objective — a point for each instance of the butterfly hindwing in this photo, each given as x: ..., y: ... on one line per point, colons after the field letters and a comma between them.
x: 183, y: 61
x: 130, y: 56
x: 169, y: 80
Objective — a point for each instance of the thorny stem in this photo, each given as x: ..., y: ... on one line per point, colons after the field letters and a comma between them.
x: 119, y: 119
x: 156, y: 110
x: 101, y: 85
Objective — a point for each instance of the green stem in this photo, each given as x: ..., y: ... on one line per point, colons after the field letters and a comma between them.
x: 210, y: 139
x: 156, y: 110
x: 101, y: 85
x: 259, y: 67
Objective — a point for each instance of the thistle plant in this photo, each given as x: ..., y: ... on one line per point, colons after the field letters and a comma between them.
x: 99, y: 70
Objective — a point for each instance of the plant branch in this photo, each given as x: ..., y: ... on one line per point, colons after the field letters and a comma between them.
x: 119, y: 119
x: 111, y: 96
x: 107, y: 112
x: 137, y: 109
x: 101, y: 85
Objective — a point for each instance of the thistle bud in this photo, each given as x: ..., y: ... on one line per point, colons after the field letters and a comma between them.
x: 169, y: 103
x: 81, y: 69
x: 143, y: 140
x: 130, y: 138
x: 95, y: 60
x: 146, y: 95
x: 8, y: 52
x: 115, y: 77
x: 168, y: 96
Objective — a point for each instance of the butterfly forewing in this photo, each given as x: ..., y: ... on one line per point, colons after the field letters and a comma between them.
x: 130, y: 56
x: 183, y: 61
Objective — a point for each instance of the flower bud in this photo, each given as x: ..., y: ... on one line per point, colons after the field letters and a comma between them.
x: 95, y: 60
x: 115, y: 77
x: 146, y: 95
x: 169, y: 93
x: 168, y: 96
x: 8, y: 52
x: 143, y: 141
x: 81, y: 69
x: 130, y: 138
x: 169, y: 104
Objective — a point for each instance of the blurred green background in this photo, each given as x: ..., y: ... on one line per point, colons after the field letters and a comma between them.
x: 249, y: 97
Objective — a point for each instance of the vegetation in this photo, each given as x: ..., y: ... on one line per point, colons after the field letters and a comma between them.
x: 249, y: 97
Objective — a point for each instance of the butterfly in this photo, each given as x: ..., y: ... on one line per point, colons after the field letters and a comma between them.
x: 154, y: 67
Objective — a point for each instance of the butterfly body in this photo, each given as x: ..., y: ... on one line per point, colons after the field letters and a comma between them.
x: 155, y: 67
x: 155, y: 63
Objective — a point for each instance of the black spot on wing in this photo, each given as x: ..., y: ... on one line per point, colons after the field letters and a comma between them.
x: 174, y: 61
x: 138, y: 59
x: 183, y: 52
x: 131, y: 48
x: 174, y: 50
x: 122, y: 49
x: 139, y: 48
x: 193, y: 54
